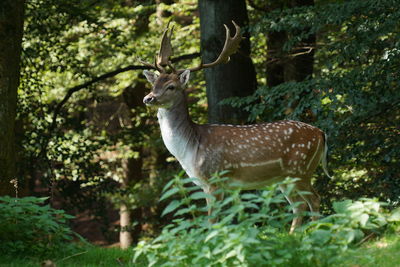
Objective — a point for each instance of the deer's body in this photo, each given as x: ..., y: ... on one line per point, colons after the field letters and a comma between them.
x: 255, y: 155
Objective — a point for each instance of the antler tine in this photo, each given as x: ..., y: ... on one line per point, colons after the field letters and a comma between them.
x: 171, y: 67
x: 231, y: 46
x: 147, y: 64
x: 158, y: 66
x: 165, y: 51
x: 161, y: 60
x: 151, y: 66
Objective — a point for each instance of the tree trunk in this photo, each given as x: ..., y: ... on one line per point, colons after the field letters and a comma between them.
x: 236, y: 78
x: 125, y: 236
x: 11, y: 27
x: 132, y: 174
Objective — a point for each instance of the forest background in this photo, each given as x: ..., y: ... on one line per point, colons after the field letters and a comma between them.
x: 75, y: 128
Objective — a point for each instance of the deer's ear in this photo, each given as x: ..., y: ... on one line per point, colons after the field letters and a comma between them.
x: 150, y: 76
x: 184, y: 77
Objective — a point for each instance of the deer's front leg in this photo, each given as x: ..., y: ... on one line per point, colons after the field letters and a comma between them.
x: 211, y: 201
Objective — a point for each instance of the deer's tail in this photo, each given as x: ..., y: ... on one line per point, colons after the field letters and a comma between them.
x: 324, y: 156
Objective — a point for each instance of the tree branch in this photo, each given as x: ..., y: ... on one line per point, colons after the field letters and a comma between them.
x: 302, y: 53
x: 102, y: 77
x: 75, y: 89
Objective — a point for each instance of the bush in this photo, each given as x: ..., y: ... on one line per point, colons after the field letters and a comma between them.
x: 252, y: 230
x: 29, y: 228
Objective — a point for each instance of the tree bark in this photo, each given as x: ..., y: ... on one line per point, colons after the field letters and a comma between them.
x: 236, y: 78
x: 125, y: 221
x: 11, y: 28
x: 132, y: 174
x: 125, y: 236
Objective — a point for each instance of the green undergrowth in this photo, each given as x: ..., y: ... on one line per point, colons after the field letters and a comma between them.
x: 382, y: 252
x: 377, y: 252
x: 251, y: 229
x: 30, y: 227
x: 88, y: 257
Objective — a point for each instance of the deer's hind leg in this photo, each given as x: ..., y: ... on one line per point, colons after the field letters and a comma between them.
x: 299, y: 205
x: 311, y: 197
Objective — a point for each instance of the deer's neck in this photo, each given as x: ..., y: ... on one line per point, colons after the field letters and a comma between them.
x: 179, y: 132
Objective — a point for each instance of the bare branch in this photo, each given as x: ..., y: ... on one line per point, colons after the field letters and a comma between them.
x: 302, y: 53
x: 107, y: 75
x: 75, y: 89
x: 97, y: 79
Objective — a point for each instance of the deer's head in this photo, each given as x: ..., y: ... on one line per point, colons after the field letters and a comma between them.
x: 168, y: 85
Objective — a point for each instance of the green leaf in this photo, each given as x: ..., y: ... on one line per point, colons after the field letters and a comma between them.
x: 394, y: 216
x: 169, y: 193
x: 171, y: 207
x: 211, y: 235
x: 320, y: 236
x: 363, y: 219
x: 168, y: 185
x: 201, y: 195
x: 349, y: 235
x: 185, y: 210
x: 341, y: 206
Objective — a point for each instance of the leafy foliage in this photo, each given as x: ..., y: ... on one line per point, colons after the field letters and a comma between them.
x: 258, y: 238
x: 29, y: 228
x: 66, y: 44
x: 353, y: 94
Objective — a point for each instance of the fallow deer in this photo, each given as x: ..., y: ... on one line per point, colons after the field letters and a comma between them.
x: 255, y: 155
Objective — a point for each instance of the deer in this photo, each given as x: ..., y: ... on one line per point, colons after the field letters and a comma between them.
x: 254, y: 155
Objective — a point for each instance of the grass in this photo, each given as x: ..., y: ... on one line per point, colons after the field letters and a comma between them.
x: 378, y: 253
x: 90, y: 257
x: 383, y: 253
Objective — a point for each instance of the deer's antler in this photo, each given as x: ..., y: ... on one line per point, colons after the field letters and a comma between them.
x: 231, y: 46
x: 162, y: 59
x: 164, y: 53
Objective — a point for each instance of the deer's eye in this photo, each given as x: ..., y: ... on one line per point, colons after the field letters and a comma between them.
x: 171, y: 87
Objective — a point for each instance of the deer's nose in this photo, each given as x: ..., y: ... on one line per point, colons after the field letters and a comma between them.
x: 148, y: 99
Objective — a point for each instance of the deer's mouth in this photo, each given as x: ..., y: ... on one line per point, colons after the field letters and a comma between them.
x: 150, y: 100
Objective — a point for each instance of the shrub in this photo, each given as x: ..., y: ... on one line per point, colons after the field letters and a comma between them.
x: 29, y: 228
x: 252, y: 230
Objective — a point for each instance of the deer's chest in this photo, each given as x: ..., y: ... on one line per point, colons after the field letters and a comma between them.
x: 179, y: 145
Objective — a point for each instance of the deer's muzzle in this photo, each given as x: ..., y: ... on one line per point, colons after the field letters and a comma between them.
x: 149, y: 99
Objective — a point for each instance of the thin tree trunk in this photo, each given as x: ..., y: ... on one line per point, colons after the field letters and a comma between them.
x: 238, y: 77
x: 11, y: 27
x: 132, y: 174
x: 125, y: 236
